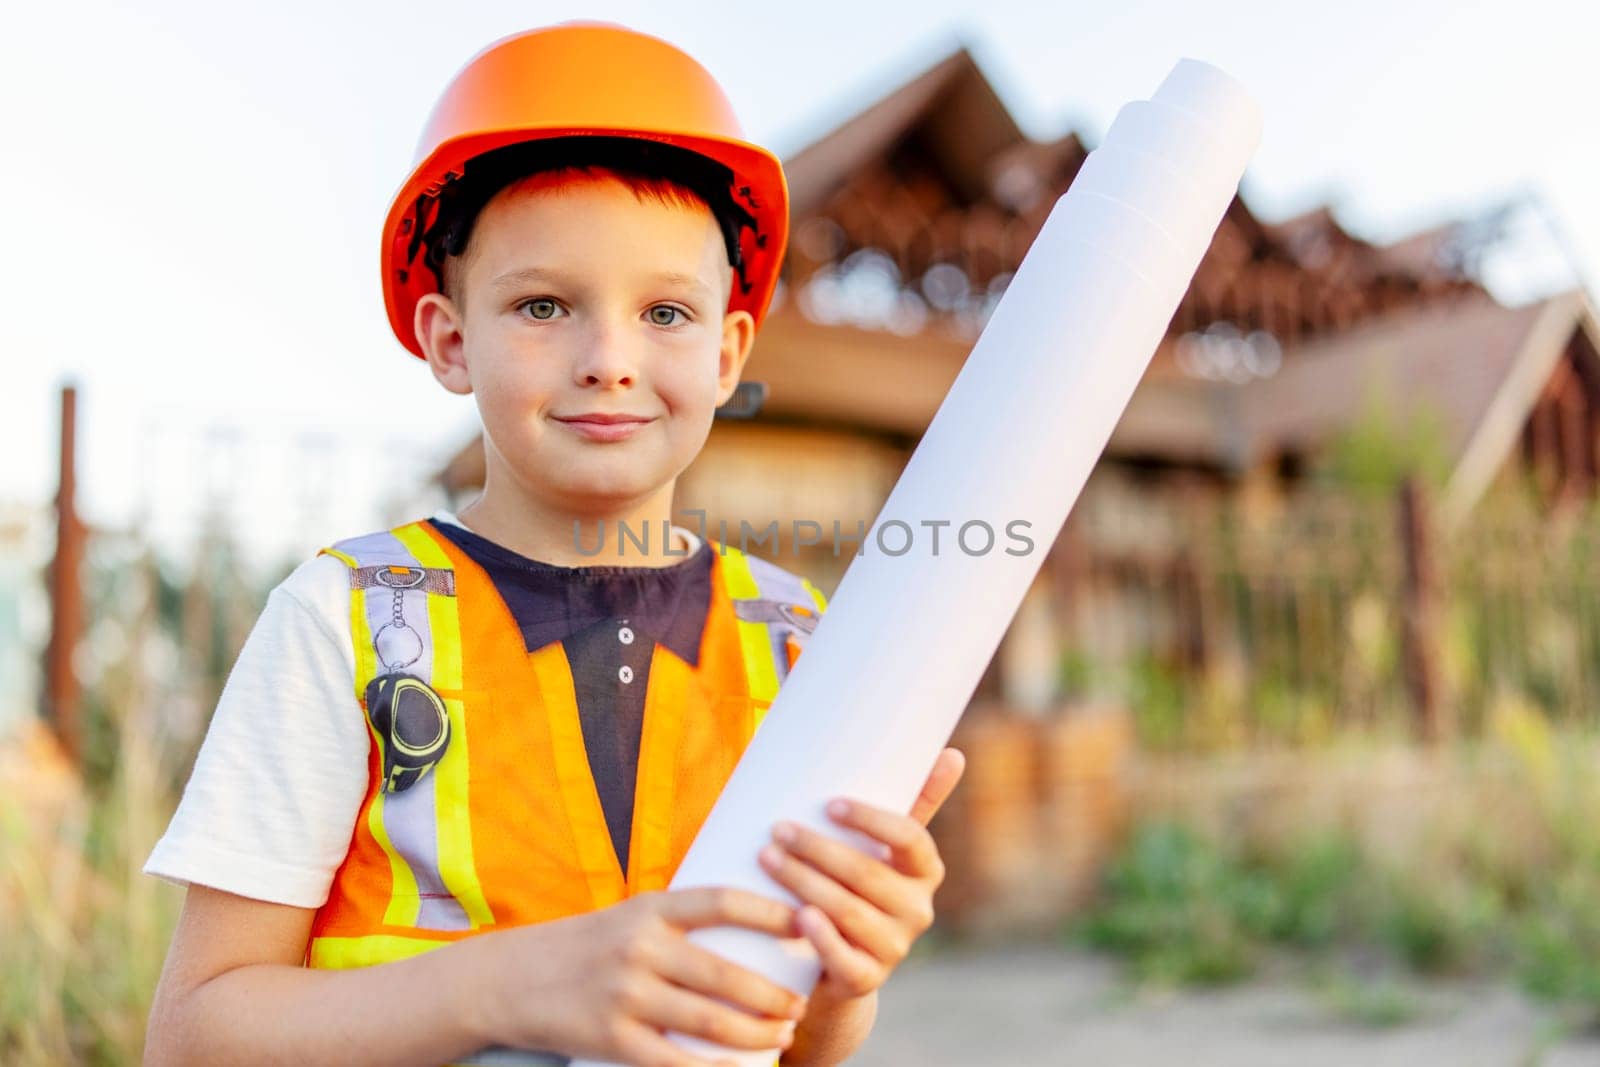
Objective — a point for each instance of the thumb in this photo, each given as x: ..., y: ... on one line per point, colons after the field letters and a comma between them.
x: 690, y: 909
x: 947, y: 771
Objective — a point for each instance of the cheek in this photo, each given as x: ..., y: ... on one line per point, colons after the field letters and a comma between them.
x: 511, y: 386
x: 687, y: 380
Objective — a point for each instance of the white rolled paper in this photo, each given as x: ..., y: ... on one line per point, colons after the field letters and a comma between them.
x: 1151, y: 187
x: 896, y: 658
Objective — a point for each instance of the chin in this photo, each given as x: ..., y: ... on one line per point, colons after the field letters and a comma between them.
x: 604, y: 491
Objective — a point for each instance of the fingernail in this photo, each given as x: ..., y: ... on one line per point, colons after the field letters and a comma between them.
x: 770, y: 856
x: 838, y: 808
x: 788, y: 1034
x: 784, y: 832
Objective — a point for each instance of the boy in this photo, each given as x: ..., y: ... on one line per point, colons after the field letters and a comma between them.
x: 458, y: 762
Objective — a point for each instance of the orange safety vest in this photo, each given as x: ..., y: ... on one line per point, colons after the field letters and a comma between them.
x: 507, y: 828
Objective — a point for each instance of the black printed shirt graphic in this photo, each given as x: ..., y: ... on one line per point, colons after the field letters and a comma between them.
x: 609, y: 619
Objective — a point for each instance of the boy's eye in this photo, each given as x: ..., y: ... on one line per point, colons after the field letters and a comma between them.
x: 662, y: 315
x: 541, y: 307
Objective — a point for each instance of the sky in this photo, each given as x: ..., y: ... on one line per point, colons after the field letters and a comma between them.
x: 193, y: 193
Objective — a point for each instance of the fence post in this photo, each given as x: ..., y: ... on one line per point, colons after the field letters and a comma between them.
x: 62, y: 690
x: 1419, y: 614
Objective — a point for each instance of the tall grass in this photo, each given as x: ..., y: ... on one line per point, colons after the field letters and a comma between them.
x: 1490, y: 867
x: 83, y: 932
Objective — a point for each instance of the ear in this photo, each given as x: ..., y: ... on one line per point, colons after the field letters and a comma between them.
x: 738, y: 335
x: 438, y: 323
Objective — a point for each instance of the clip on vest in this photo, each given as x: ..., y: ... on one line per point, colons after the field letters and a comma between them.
x: 411, y: 719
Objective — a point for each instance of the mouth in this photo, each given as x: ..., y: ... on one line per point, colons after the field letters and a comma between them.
x: 601, y: 418
x: 603, y: 426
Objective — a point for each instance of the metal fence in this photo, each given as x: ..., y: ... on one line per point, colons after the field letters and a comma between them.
x: 1222, y: 619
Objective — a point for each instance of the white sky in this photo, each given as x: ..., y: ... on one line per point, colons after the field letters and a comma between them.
x: 193, y: 191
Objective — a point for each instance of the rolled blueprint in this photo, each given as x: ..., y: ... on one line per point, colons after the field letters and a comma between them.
x: 894, y: 661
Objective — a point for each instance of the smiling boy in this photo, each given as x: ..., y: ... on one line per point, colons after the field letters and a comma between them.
x: 457, y: 762
x: 592, y: 309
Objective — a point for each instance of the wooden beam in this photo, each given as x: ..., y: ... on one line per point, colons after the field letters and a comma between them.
x: 1420, y: 616
x: 852, y: 377
x: 63, y: 693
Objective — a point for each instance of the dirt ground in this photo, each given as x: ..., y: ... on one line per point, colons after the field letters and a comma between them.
x: 1027, y: 1005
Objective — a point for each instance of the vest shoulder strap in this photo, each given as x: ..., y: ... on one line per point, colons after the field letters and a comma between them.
x: 406, y: 636
x: 402, y: 590
x: 403, y: 587
x: 776, y: 611
x: 406, y: 633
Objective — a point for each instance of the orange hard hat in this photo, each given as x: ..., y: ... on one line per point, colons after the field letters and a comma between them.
x: 583, y: 79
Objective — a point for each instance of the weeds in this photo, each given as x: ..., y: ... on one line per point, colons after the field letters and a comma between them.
x: 1502, y: 878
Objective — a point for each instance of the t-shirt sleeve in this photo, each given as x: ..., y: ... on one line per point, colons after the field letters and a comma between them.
x: 270, y: 805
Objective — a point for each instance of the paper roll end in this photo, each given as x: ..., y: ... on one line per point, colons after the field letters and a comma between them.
x: 1212, y: 94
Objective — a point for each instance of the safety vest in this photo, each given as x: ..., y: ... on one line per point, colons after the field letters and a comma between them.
x: 507, y: 827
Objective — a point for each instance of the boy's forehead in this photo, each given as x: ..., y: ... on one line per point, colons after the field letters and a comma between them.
x: 545, y: 223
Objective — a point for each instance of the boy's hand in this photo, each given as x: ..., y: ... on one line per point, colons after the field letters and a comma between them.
x: 863, y: 912
x: 605, y: 985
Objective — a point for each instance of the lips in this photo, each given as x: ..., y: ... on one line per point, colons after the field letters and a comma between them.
x: 603, y: 426
x: 602, y: 419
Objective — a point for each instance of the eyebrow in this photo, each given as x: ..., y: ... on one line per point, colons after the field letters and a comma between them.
x: 688, y: 281
x: 527, y: 275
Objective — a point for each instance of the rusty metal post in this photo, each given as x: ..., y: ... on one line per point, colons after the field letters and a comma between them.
x: 62, y: 694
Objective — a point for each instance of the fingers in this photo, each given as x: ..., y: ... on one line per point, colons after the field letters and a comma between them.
x: 671, y: 1007
x: 861, y: 915
x: 642, y: 1044
x: 691, y: 909
x: 696, y: 969
x: 660, y: 981
x: 847, y: 967
x: 911, y: 848
x: 947, y: 771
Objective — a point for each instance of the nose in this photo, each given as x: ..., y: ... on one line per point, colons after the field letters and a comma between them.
x: 608, y: 359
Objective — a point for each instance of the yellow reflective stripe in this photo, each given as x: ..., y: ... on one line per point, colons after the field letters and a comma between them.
x: 403, y: 882
x: 348, y: 560
x: 816, y: 595
x: 425, y: 550
x: 404, y: 903
x: 342, y: 953
x: 457, y: 870
x: 736, y: 574
x: 755, y: 640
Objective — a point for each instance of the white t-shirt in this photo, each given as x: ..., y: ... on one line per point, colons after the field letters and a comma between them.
x: 272, y: 801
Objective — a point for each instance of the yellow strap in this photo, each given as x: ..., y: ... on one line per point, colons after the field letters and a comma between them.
x: 404, y: 902
x: 347, y: 559
x: 342, y: 953
x: 816, y: 595
x: 454, y: 819
x: 755, y: 640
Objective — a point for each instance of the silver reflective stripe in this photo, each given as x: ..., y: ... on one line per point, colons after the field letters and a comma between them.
x: 410, y: 816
